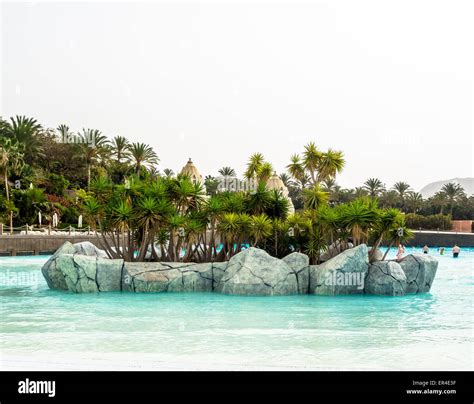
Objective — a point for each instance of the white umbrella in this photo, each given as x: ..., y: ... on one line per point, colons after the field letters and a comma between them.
x: 55, y: 219
x: 39, y: 218
x: 79, y: 221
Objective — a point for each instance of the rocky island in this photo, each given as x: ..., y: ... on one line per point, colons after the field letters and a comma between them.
x: 83, y: 268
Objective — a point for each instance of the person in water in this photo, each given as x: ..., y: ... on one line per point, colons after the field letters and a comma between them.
x: 400, y: 252
x: 456, y: 251
x: 441, y: 251
x: 426, y: 249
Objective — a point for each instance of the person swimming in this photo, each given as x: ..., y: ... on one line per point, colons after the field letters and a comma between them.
x: 426, y: 249
x: 456, y: 251
x: 441, y: 251
x: 400, y: 252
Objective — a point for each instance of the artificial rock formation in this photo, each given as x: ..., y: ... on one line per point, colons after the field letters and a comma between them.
x: 82, y: 268
x: 385, y: 278
x: 255, y: 272
x: 341, y: 275
x: 420, y: 270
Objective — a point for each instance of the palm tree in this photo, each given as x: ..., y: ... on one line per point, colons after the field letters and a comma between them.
x: 399, y: 234
x: 388, y: 199
x: 358, y: 216
x: 265, y: 172
x: 329, y: 184
x: 227, y: 172
x: 287, y: 181
x: 311, y: 159
x: 454, y: 192
x: 153, y: 172
x: 254, y: 165
x: 360, y: 192
x: 331, y: 163
x: 212, y: 184
x: 260, y: 228
x: 101, y: 186
x: 295, y: 168
x: 25, y: 130
x: 318, y: 165
x: 259, y: 201
x: 148, y: 216
x: 142, y: 154
x: 228, y: 227
x: 374, y: 186
x: 11, y: 160
x: 168, y: 172
x: 414, y: 201
x: 314, y: 197
x: 440, y: 199
x: 92, y: 147
x: 387, y: 221
x: 278, y: 207
x: 64, y: 133
x: 214, y: 208
x: 402, y: 189
x: 122, y: 214
x: 119, y: 147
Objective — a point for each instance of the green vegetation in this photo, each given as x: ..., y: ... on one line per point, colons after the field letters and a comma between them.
x: 144, y: 214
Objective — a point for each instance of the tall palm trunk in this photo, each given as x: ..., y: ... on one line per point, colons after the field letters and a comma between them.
x: 7, y: 191
x: 88, y: 176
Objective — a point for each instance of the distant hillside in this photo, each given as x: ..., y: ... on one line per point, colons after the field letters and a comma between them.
x: 431, y: 189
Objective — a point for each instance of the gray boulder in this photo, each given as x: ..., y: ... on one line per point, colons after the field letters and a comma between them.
x: 89, y: 249
x: 51, y: 271
x: 299, y: 264
x: 197, y: 278
x: 344, y: 274
x: 218, y: 269
x: 255, y: 272
x: 167, y: 277
x: 79, y: 272
x: 420, y: 271
x: 385, y: 278
x: 109, y: 274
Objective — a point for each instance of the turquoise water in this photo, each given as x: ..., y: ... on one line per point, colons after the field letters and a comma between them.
x: 45, y: 329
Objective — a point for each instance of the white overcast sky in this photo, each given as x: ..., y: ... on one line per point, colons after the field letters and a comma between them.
x: 388, y: 82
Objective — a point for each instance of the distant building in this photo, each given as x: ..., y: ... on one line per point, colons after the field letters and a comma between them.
x: 275, y: 183
x: 192, y: 172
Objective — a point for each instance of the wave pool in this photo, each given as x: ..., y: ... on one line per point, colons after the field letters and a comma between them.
x: 41, y: 329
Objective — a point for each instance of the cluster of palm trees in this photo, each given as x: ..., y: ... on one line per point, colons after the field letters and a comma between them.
x: 408, y: 200
x: 172, y: 219
x: 26, y: 159
x: 21, y: 137
x: 143, y: 214
x: 95, y: 148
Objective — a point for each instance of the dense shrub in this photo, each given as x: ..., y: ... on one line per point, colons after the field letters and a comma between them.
x: 432, y: 222
x: 56, y: 184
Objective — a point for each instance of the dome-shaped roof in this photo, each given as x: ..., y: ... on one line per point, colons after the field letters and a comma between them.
x: 191, y: 171
x: 275, y: 182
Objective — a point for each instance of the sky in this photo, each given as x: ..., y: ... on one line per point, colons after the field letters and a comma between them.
x: 390, y: 83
